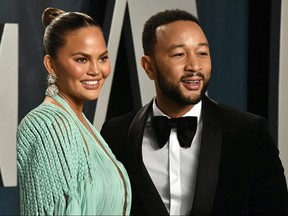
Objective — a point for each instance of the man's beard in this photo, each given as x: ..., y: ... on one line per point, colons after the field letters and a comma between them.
x: 173, y: 91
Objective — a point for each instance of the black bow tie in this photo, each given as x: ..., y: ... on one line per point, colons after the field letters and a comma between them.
x: 186, y: 129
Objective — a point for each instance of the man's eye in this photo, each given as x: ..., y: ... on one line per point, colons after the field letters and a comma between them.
x: 203, y: 53
x: 179, y: 54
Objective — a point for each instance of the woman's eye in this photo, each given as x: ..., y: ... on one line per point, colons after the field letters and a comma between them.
x: 81, y: 60
x: 103, y: 59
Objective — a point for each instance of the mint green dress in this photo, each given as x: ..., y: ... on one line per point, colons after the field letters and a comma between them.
x: 63, y: 170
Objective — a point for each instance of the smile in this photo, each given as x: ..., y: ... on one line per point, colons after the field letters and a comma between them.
x: 90, y: 82
x: 193, y: 82
x: 193, y: 85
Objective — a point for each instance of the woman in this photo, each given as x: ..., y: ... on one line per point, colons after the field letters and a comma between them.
x: 64, y: 165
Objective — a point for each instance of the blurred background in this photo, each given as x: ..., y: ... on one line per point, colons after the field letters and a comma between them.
x: 246, y: 40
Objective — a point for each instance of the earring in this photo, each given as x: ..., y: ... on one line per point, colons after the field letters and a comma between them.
x: 52, y: 89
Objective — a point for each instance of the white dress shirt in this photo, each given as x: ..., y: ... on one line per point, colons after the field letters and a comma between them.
x: 172, y: 168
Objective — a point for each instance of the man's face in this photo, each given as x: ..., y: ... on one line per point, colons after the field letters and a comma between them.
x: 181, y: 62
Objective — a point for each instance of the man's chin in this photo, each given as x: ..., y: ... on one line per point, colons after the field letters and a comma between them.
x: 190, y: 100
x: 195, y: 101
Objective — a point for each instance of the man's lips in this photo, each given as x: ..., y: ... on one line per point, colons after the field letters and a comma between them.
x: 192, y: 84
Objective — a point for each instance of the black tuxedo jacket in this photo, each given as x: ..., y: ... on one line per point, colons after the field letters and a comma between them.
x: 239, y: 171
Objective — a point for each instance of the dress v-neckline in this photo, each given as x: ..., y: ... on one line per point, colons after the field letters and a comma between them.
x: 80, y: 125
x: 96, y: 140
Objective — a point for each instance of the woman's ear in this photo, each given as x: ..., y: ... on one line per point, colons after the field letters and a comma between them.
x: 148, y: 66
x: 48, y: 63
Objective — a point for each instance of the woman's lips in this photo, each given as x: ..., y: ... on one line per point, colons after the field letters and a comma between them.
x: 90, y: 84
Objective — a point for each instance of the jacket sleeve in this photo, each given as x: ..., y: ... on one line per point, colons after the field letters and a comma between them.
x: 269, y: 195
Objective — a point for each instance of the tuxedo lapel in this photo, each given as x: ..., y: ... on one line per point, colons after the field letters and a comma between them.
x: 139, y: 175
x: 209, y: 158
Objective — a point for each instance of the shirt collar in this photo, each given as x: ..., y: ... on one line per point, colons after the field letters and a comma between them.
x: 195, y: 111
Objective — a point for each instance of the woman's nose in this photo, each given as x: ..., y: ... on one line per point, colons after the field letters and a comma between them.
x: 94, y: 69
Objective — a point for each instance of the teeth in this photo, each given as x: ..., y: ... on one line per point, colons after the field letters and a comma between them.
x: 192, y: 82
x: 94, y: 82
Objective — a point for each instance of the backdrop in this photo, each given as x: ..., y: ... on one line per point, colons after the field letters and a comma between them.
x: 247, y: 41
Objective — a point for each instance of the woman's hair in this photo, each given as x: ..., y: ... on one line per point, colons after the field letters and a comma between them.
x: 162, y: 18
x: 58, y: 23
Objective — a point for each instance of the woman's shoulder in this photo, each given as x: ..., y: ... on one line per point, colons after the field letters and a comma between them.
x: 44, y: 114
x: 45, y: 129
x: 46, y: 120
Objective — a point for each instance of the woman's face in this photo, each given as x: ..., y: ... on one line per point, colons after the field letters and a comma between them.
x: 82, y: 65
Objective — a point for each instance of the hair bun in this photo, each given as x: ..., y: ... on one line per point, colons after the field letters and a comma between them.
x: 49, y: 14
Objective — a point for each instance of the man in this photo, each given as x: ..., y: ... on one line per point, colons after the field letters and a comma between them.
x: 230, y: 167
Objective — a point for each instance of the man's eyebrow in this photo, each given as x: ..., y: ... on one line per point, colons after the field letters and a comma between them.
x: 174, y: 46
x: 203, y: 44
